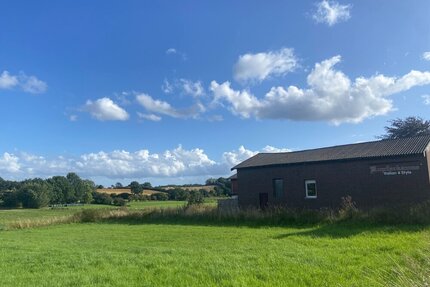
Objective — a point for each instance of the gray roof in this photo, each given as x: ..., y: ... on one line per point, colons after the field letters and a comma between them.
x: 381, y: 148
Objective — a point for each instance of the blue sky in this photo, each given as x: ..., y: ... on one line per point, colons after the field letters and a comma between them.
x: 179, y: 91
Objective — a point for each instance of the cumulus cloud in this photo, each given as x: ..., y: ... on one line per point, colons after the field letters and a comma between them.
x: 234, y: 157
x: 426, y: 56
x: 257, y: 67
x: 29, y: 84
x: 331, y: 96
x: 164, y: 108
x: 331, y: 12
x: 7, y: 81
x: 105, y: 109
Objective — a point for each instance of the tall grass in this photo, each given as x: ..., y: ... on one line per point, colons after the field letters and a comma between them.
x: 276, y: 216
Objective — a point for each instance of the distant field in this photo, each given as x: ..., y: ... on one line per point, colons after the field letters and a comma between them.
x: 13, y: 215
x: 198, y: 187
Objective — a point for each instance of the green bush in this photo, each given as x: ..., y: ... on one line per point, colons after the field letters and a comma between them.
x: 102, y: 198
x: 119, y: 201
x: 160, y: 196
x: 196, y: 197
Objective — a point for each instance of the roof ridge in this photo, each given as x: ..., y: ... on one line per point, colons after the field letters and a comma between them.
x: 377, y: 148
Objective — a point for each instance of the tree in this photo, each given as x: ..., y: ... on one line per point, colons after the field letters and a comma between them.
x: 135, y: 187
x: 118, y: 185
x: 408, y: 127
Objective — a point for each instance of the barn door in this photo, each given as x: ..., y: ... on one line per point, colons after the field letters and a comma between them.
x: 264, y: 200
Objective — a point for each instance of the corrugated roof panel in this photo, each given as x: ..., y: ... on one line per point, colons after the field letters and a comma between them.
x: 382, y: 148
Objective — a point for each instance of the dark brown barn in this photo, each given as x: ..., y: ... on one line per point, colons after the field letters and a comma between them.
x: 375, y: 173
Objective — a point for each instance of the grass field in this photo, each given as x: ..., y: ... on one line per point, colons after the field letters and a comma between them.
x: 116, y: 253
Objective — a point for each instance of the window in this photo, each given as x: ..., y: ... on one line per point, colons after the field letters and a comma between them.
x: 278, y: 188
x: 311, y: 188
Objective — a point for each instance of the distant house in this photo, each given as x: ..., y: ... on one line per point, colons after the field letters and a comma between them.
x: 374, y: 173
x: 233, y: 182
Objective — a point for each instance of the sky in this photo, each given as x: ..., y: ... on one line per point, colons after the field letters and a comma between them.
x: 181, y: 91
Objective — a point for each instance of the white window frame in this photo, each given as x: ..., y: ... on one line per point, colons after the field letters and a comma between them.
x: 306, y: 188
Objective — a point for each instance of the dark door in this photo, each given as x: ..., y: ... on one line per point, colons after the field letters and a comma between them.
x: 264, y: 200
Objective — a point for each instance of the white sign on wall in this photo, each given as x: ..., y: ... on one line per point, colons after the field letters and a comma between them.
x: 394, y: 169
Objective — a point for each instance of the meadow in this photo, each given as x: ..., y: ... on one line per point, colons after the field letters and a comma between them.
x: 166, y: 252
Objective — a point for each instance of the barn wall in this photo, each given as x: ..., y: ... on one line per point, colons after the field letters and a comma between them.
x: 364, y: 180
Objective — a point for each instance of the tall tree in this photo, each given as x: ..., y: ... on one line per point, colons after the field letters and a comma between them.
x: 135, y: 187
x: 408, y: 127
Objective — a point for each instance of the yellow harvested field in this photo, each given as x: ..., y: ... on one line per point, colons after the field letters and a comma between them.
x: 194, y: 187
x: 124, y: 190
x: 114, y: 190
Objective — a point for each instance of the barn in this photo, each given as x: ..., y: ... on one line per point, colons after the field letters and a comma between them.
x: 377, y: 173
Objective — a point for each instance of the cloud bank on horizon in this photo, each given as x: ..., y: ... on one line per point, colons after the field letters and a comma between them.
x: 121, y: 164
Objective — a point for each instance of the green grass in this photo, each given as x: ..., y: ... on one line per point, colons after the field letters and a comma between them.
x: 109, y: 254
x: 143, y: 204
x: 139, y: 250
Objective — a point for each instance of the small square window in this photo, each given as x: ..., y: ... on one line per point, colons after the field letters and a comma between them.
x: 278, y: 188
x: 311, y: 188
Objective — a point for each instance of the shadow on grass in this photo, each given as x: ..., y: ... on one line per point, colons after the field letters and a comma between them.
x: 350, y: 229
x: 344, y: 229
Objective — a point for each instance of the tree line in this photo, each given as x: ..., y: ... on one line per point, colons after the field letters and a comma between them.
x: 71, y: 189
x: 37, y: 192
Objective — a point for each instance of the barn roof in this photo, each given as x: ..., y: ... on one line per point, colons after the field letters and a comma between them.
x: 381, y: 148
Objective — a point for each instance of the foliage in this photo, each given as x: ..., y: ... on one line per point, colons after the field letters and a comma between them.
x: 196, y: 197
x: 160, y: 196
x: 36, y: 193
x: 118, y: 201
x: 408, y: 127
x: 222, y: 186
x: 135, y: 187
x: 101, y: 198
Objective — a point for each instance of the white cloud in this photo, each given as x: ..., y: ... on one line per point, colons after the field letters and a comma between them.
x: 164, y: 108
x: 7, y: 81
x: 331, y: 12
x: 9, y: 163
x: 33, y: 85
x: 105, y: 109
x: 331, y: 96
x: 191, y: 88
x: 166, y: 87
x: 271, y: 149
x: 149, y: 117
x: 234, y: 157
x: 426, y: 99
x: 185, y: 87
x: 73, y: 118
x: 426, y: 56
x: 257, y: 67
x: 29, y: 84
x: 171, y: 51
x: 122, y: 164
